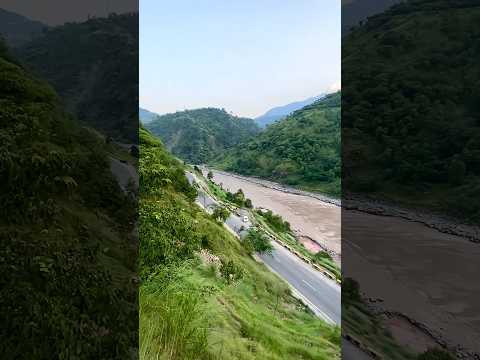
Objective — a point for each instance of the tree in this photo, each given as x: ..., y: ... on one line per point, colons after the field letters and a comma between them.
x: 220, y: 213
x: 210, y: 175
x: 248, y: 203
x: 257, y: 241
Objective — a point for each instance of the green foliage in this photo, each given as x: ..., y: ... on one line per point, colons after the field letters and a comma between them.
x: 220, y: 214
x: 301, y: 150
x: 195, y: 308
x: 411, y: 111
x: 197, y: 136
x: 65, y: 230
x: 231, y: 271
x: 435, y: 354
x: 257, y: 241
x: 93, y: 82
x: 172, y: 324
x: 275, y: 221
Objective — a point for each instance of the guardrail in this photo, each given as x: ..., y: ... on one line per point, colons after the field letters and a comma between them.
x: 305, y: 259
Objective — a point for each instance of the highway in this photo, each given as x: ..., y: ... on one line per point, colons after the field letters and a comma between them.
x: 321, y: 294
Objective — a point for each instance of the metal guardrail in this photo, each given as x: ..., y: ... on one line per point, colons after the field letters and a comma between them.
x: 305, y: 259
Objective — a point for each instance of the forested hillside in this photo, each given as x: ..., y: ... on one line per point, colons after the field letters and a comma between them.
x: 202, y: 295
x: 197, y: 136
x: 302, y: 150
x: 67, y: 254
x: 86, y: 64
x: 410, y: 122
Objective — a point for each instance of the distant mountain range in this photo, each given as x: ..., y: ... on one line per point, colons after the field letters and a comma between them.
x: 281, y: 112
x: 17, y: 29
x: 354, y: 11
x: 146, y: 116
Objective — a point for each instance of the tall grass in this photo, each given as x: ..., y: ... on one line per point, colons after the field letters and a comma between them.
x: 172, y: 326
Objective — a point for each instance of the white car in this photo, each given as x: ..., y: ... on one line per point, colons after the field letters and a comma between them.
x: 245, y: 219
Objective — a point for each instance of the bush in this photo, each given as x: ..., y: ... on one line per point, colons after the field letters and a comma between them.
x: 257, y: 241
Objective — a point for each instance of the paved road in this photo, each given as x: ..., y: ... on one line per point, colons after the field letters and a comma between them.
x: 320, y: 293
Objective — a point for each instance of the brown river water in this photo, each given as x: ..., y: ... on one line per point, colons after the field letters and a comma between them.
x: 317, y: 223
x: 426, y: 275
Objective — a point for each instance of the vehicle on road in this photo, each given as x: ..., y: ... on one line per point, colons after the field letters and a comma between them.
x: 245, y: 219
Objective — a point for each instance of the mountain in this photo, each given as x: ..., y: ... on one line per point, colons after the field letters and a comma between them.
x: 65, y: 229
x: 301, y: 150
x: 424, y: 138
x: 86, y: 62
x: 280, y: 112
x: 202, y: 293
x: 197, y: 136
x: 17, y: 29
x: 146, y: 116
x: 355, y: 11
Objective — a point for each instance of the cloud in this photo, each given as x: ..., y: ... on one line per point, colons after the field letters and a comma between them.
x: 337, y: 85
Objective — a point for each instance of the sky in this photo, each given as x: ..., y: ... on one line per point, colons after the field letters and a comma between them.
x: 246, y: 56
x: 57, y: 12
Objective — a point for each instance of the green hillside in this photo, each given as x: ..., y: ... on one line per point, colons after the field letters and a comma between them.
x: 411, y: 106
x: 197, y: 136
x: 302, y: 150
x: 202, y: 295
x: 94, y: 68
x: 67, y: 254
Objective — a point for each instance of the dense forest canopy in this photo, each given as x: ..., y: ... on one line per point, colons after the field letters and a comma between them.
x: 197, y: 136
x: 411, y: 105
x: 64, y: 225
x: 301, y: 150
x: 94, y: 67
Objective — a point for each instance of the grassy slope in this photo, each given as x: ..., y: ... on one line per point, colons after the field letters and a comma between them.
x: 198, y: 135
x: 302, y: 150
x: 188, y: 310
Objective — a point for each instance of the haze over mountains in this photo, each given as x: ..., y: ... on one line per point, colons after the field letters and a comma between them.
x: 280, y: 112
x: 17, y: 29
x: 146, y: 116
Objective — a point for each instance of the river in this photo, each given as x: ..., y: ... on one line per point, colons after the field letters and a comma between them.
x: 315, y: 222
x: 412, y: 269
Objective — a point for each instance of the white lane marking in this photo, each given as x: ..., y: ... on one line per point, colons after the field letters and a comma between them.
x: 310, y: 286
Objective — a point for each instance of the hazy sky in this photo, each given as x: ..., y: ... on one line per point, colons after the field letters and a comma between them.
x: 245, y: 56
x: 55, y: 12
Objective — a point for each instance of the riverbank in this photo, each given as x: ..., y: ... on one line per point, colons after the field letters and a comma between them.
x: 313, y: 218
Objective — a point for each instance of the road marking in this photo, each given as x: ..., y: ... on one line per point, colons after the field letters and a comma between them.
x: 310, y: 286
